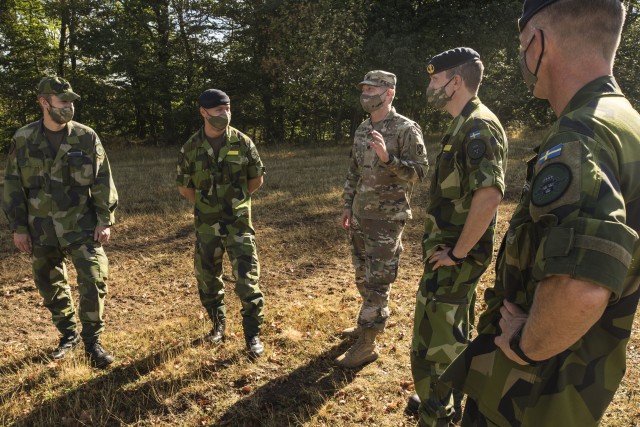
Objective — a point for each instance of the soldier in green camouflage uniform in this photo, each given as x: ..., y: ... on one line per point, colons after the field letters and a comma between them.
x: 218, y: 169
x: 387, y: 158
x: 459, y: 228
x: 59, y: 199
x: 551, y: 348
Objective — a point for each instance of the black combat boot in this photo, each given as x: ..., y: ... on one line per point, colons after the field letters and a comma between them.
x: 254, y: 346
x: 217, y: 333
x: 66, y: 344
x: 97, y: 355
x: 413, y: 405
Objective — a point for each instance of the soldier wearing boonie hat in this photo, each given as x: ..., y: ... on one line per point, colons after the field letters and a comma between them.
x: 551, y: 345
x: 219, y: 168
x: 60, y: 199
x: 465, y: 192
x: 388, y: 157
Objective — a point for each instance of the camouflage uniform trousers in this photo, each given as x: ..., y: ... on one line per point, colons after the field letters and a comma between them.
x: 50, y: 276
x: 241, y: 247
x: 376, y: 247
x: 443, y: 317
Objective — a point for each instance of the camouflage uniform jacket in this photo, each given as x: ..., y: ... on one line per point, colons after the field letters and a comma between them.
x: 579, y: 216
x: 58, y: 199
x: 222, y: 196
x: 473, y: 156
x: 375, y: 190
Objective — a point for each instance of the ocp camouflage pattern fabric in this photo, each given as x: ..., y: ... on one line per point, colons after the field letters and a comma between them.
x: 374, y: 190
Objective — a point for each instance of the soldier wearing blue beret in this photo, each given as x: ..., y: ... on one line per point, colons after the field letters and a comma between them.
x: 551, y: 347
x: 218, y: 170
x: 465, y: 192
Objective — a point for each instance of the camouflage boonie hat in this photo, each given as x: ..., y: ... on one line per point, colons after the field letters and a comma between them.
x: 57, y: 86
x: 379, y: 78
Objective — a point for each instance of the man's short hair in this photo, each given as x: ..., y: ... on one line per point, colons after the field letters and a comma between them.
x: 471, y: 73
x: 584, y: 25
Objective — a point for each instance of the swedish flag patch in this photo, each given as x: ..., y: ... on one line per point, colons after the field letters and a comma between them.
x: 550, y: 154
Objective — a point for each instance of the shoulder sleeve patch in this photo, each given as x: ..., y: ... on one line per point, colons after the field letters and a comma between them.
x: 476, y: 149
x: 550, y: 184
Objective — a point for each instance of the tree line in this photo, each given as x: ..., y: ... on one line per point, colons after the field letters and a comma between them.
x: 289, y: 66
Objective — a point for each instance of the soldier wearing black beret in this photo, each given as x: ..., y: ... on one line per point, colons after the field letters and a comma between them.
x: 459, y: 229
x: 551, y: 345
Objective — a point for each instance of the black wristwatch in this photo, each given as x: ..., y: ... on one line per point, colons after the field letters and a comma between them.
x: 514, y: 345
x: 388, y: 162
x: 455, y: 258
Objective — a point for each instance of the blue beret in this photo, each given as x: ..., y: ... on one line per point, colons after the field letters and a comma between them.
x: 211, y: 98
x: 451, y: 59
x: 530, y: 8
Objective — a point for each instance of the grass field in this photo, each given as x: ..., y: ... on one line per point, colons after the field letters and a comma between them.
x: 165, y: 376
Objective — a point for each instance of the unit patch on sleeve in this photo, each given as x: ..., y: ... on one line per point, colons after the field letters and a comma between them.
x: 476, y: 149
x: 550, y: 184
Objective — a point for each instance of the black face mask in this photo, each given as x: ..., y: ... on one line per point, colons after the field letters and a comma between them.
x: 530, y: 79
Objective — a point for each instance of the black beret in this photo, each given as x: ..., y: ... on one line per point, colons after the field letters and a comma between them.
x: 212, y: 98
x: 451, y: 58
x: 530, y: 8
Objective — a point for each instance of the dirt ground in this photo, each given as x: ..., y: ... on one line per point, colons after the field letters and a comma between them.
x: 165, y: 375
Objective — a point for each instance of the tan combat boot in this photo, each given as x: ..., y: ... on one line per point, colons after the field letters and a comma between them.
x: 363, y: 351
x: 352, y: 332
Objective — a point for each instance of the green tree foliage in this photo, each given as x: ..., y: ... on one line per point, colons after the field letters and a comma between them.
x: 290, y: 66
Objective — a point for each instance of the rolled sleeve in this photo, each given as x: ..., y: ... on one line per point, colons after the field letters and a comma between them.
x: 183, y: 167
x: 589, y: 249
x: 255, y: 167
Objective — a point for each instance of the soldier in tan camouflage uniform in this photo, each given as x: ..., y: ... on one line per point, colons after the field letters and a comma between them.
x: 551, y: 347
x: 459, y: 229
x: 387, y: 158
x: 218, y: 170
x: 59, y: 198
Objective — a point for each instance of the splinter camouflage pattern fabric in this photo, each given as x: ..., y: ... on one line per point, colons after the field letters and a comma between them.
x: 59, y: 199
x: 579, y: 215
x: 378, y: 196
x: 222, y: 214
x: 473, y: 156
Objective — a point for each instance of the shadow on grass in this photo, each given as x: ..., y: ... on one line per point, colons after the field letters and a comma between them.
x: 116, y: 397
x: 294, y: 398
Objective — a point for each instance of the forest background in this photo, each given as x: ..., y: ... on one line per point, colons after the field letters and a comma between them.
x: 290, y: 66
x: 291, y: 69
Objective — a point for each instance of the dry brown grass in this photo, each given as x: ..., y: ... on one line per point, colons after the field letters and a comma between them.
x: 165, y: 375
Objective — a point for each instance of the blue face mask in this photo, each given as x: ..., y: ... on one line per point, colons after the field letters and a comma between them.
x: 530, y: 79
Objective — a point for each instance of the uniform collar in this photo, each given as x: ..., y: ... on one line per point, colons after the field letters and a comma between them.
x: 602, y: 86
x: 470, y: 106
x: 69, y: 127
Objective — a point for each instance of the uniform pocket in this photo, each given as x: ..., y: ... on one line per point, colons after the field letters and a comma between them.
x: 234, y: 169
x: 80, y: 171
x: 31, y: 173
x: 449, y: 176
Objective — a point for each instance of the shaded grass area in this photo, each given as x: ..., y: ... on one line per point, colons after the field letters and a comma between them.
x: 165, y: 375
